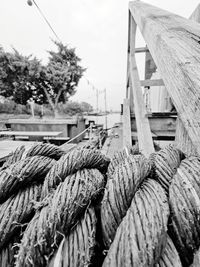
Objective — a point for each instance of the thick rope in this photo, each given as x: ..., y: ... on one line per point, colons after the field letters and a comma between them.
x: 78, y: 247
x: 141, y: 236
x: 45, y: 149
x: 14, y: 157
x: 196, y: 261
x: 169, y: 256
x: 166, y: 162
x: 17, y: 210
x: 63, y: 208
x: 134, y: 216
x: 73, y: 161
x: 184, y: 199
x: 119, y: 192
x: 22, y: 173
x: 119, y: 157
x: 7, y: 254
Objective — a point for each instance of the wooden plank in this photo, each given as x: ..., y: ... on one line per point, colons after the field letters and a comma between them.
x: 149, y: 83
x: 159, y: 135
x: 28, y: 133
x: 127, y: 141
x: 141, y: 49
x: 129, y: 89
x: 158, y: 123
x: 59, y: 138
x: 130, y: 96
x: 182, y: 139
x: 150, y: 66
x: 174, y: 44
x: 143, y: 129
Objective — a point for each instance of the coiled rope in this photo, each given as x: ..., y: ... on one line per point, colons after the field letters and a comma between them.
x: 119, y: 192
x: 149, y: 214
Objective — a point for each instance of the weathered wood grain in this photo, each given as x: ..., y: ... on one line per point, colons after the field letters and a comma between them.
x: 157, y: 82
x: 174, y: 43
x: 141, y: 49
x: 150, y: 66
x: 182, y: 139
x: 127, y: 139
x: 143, y: 129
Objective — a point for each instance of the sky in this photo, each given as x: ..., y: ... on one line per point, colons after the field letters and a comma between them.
x: 96, y: 28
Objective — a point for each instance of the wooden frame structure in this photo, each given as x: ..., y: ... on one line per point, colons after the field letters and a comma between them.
x: 174, y: 43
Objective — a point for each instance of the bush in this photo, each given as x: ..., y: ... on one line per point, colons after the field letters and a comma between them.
x: 11, y: 107
x: 73, y: 108
x: 69, y: 108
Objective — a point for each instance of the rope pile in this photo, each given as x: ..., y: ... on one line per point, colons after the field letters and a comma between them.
x: 185, y: 208
x: 119, y: 157
x: 22, y: 173
x: 78, y: 247
x: 141, y: 236
x: 119, y: 191
x: 17, y: 210
x: 47, y: 150
x: 14, y: 157
x: 60, y: 213
x: 40, y: 222
x: 70, y: 163
x: 77, y: 208
x: 170, y: 256
x: 138, y: 239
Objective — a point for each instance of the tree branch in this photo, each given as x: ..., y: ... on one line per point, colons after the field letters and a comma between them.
x: 48, y: 97
x: 58, y: 96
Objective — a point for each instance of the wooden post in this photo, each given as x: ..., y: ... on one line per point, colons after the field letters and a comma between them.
x: 182, y: 139
x: 129, y: 89
x: 127, y: 139
x: 174, y: 44
x: 143, y: 129
x: 130, y: 95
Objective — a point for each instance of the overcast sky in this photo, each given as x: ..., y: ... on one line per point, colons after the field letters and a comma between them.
x: 97, y: 28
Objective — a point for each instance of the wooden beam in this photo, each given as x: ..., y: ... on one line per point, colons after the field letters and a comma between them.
x: 141, y: 49
x: 143, y: 129
x: 127, y: 141
x: 131, y: 97
x: 174, y: 44
x: 129, y: 89
x: 182, y: 140
x: 150, y: 66
x: 159, y: 135
x: 158, y: 123
x: 158, y: 82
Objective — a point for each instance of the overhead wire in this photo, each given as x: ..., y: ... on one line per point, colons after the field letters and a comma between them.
x: 47, y: 21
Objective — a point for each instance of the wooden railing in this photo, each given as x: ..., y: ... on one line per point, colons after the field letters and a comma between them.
x: 174, y: 43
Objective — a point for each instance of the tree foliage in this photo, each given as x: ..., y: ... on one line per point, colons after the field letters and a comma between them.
x: 24, y: 77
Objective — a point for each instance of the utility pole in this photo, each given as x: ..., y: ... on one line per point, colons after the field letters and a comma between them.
x: 106, y: 119
x: 97, y: 96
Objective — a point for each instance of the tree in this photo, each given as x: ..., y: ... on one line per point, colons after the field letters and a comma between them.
x: 23, y: 78
x: 14, y: 76
x: 86, y: 107
x: 62, y: 75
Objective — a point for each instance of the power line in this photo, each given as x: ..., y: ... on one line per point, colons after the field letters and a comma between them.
x: 46, y: 20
